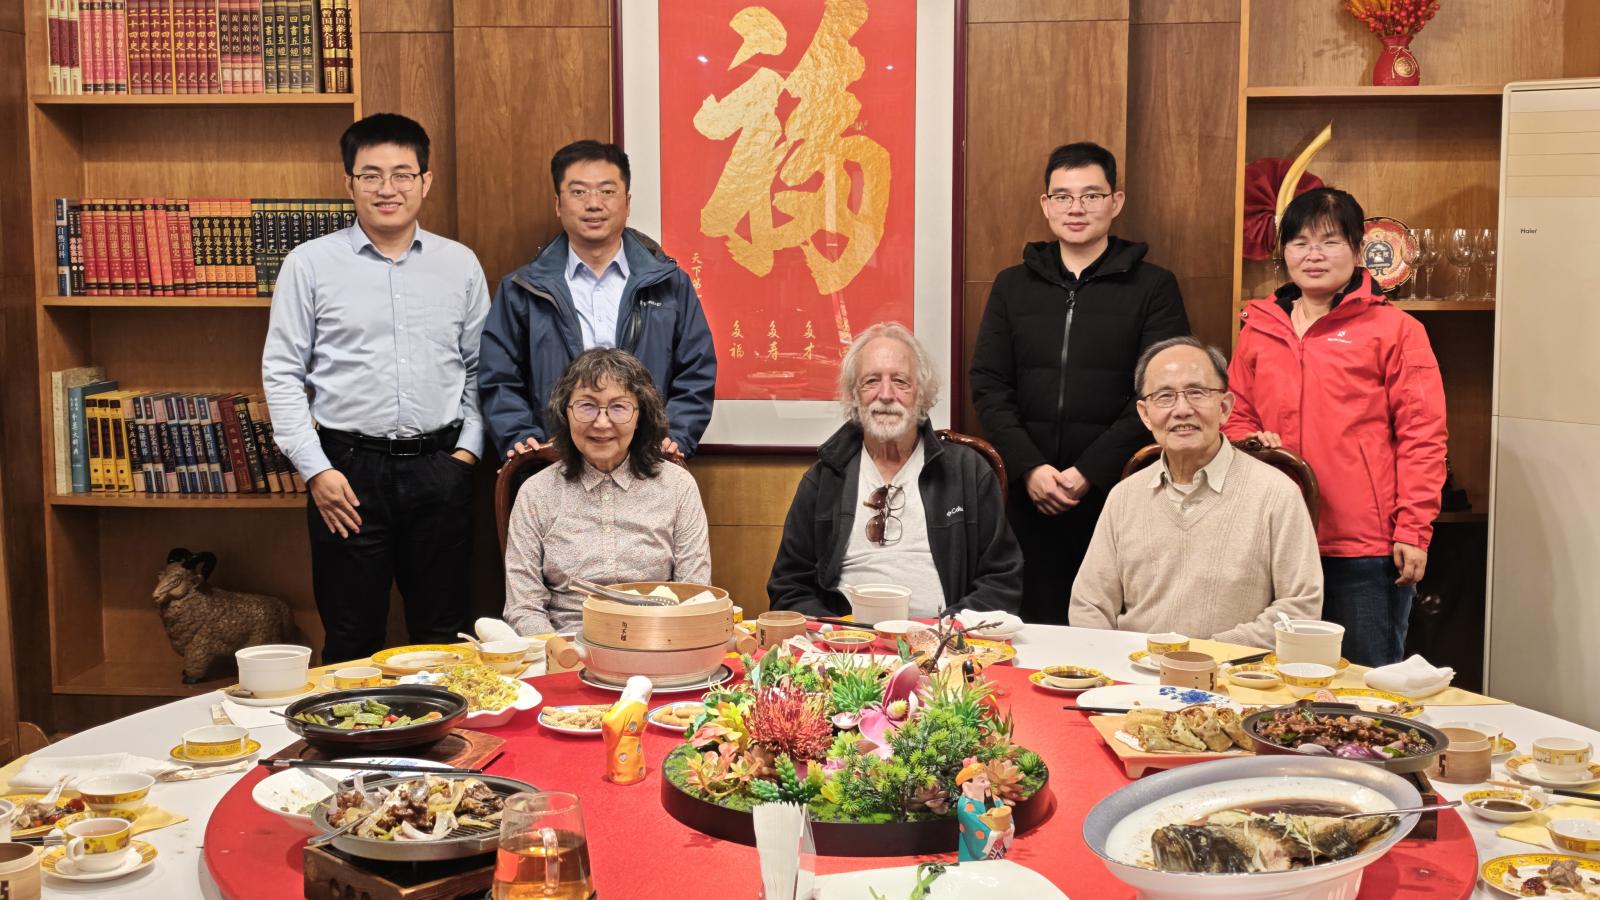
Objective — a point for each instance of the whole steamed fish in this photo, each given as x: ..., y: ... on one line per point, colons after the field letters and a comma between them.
x: 1237, y: 840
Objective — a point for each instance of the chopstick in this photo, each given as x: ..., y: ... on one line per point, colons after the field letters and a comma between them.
x: 1254, y: 657
x: 1099, y: 709
x: 363, y: 767
x: 1581, y: 795
x: 826, y: 620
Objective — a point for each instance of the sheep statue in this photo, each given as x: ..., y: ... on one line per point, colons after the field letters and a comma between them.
x: 207, y: 624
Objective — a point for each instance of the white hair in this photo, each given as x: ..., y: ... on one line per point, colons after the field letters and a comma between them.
x: 927, y: 378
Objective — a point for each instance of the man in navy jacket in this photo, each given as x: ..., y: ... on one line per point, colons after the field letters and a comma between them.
x: 600, y: 284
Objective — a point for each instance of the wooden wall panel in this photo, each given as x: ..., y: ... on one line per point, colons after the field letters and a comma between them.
x: 412, y: 73
x: 1014, y: 120
x: 1180, y: 12
x: 1468, y: 42
x: 1046, y: 11
x: 1182, y: 115
x: 507, y: 129
x: 389, y: 17
x: 746, y: 499
x: 1581, y: 32
x: 498, y: 13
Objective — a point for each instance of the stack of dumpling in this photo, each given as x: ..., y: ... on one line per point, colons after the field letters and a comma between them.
x: 1194, y: 729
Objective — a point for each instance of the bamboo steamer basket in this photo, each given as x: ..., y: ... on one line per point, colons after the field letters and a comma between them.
x: 608, y: 623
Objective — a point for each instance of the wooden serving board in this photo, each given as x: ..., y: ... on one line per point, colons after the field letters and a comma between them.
x: 462, y: 749
x: 332, y: 875
x: 1138, y: 762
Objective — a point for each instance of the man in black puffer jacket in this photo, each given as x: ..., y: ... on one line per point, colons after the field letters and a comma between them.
x: 1052, y: 373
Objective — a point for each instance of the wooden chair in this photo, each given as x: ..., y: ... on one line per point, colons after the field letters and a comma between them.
x: 510, y: 479
x: 1287, y: 462
x: 983, y: 447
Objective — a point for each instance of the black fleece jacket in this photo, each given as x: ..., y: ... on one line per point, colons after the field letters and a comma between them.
x: 1052, y: 373
x: 979, y: 562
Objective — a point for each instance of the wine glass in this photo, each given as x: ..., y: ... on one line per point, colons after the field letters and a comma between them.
x: 1488, y: 250
x: 1427, y: 256
x: 1461, y: 250
x: 1411, y: 253
x: 544, y: 852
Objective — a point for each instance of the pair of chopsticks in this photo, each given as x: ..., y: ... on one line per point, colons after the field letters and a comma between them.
x: 1243, y: 660
x: 1108, y: 710
x: 844, y: 623
x: 1528, y: 788
x: 365, y: 767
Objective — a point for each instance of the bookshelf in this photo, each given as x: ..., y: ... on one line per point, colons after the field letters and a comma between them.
x: 103, y: 551
x: 1428, y: 155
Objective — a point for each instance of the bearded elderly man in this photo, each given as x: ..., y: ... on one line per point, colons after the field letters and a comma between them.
x: 887, y: 501
x: 1210, y: 542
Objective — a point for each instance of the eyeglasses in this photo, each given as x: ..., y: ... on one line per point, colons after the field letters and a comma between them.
x: 1091, y: 201
x: 587, y: 411
x: 579, y: 195
x: 885, y: 527
x: 1197, y: 397
x: 372, y: 182
x: 1302, y: 247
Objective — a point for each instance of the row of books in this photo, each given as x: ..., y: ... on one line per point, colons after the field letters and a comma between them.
x: 199, y: 46
x: 164, y: 247
x: 163, y: 442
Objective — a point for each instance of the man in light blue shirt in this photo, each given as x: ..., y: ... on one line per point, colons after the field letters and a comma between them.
x: 596, y: 298
x: 370, y: 369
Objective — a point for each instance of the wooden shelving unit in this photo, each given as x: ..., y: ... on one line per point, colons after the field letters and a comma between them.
x: 1371, y: 92
x: 1445, y: 306
x: 103, y: 551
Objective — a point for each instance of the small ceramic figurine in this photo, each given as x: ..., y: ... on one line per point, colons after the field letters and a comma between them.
x: 986, y: 827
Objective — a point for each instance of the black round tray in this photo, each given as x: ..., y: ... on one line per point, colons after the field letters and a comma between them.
x: 407, y: 699
x: 917, y: 838
x: 1438, y: 739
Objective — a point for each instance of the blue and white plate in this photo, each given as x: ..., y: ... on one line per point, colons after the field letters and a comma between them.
x: 1155, y: 696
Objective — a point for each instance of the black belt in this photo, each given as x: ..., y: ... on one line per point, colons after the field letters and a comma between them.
x: 443, y: 439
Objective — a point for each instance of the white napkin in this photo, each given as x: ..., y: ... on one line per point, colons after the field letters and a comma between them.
x: 1409, y: 677
x: 1007, y: 623
x: 40, y: 774
x: 494, y: 630
x: 251, y: 716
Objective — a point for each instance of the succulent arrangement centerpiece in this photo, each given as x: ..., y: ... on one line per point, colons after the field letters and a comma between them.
x: 857, y: 741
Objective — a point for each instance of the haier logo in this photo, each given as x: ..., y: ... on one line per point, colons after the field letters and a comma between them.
x: 1527, y: 231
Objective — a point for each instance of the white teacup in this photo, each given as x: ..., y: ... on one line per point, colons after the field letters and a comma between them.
x: 98, y: 845
x: 1562, y: 759
x: 1311, y: 641
x: 268, y: 670
x: 350, y: 678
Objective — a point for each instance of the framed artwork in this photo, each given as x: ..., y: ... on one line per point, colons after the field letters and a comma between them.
x: 801, y: 161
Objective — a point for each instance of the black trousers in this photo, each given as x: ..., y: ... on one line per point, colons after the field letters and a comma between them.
x: 1052, y: 550
x: 416, y: 531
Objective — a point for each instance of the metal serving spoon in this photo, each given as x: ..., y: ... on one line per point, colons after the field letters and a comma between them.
x: 1401, y: 812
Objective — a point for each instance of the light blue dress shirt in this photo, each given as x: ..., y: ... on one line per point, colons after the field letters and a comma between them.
x: 597, y: 299
x: 361, y: 343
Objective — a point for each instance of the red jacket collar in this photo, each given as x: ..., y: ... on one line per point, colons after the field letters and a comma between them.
x: 1358, y: 297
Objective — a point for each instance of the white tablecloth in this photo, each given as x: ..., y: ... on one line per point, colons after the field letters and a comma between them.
x: 180, y: 871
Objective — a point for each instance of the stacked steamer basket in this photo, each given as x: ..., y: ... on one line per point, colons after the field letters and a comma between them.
x: 675, y: 646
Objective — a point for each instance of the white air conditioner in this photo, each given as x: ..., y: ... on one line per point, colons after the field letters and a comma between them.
x: 1543, y: 642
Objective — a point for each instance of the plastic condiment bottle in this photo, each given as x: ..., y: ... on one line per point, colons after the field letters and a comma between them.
x: 621, y: 727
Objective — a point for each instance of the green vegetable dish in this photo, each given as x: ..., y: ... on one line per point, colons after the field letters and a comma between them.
x: 362, y: 716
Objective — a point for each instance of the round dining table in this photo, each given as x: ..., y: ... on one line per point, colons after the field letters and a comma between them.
x: 180, y: 870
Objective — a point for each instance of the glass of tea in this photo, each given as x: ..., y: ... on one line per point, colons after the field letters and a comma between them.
x: 543, y: 853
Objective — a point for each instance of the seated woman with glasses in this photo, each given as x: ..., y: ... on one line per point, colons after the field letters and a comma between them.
x: 612, y: 509
x: 888, y: 502
x: 1329, y: 369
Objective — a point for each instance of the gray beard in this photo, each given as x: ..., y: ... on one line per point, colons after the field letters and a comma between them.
x: 887, y: 433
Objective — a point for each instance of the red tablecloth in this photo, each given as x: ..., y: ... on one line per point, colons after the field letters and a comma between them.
x: 638, y: 851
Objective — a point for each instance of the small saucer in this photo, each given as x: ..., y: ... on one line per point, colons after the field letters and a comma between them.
x: 1504, y: 745
x: 1038, y: 680
x: 1524, y: 768
x: 1145, y: 661
x: 310, y: 687
x: 251, y: 748
x: 139, y: 855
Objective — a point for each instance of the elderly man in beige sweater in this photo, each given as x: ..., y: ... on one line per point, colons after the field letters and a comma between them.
x: 1209, y: 542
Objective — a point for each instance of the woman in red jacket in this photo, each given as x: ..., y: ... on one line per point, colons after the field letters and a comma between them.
x: 1327, y: 368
